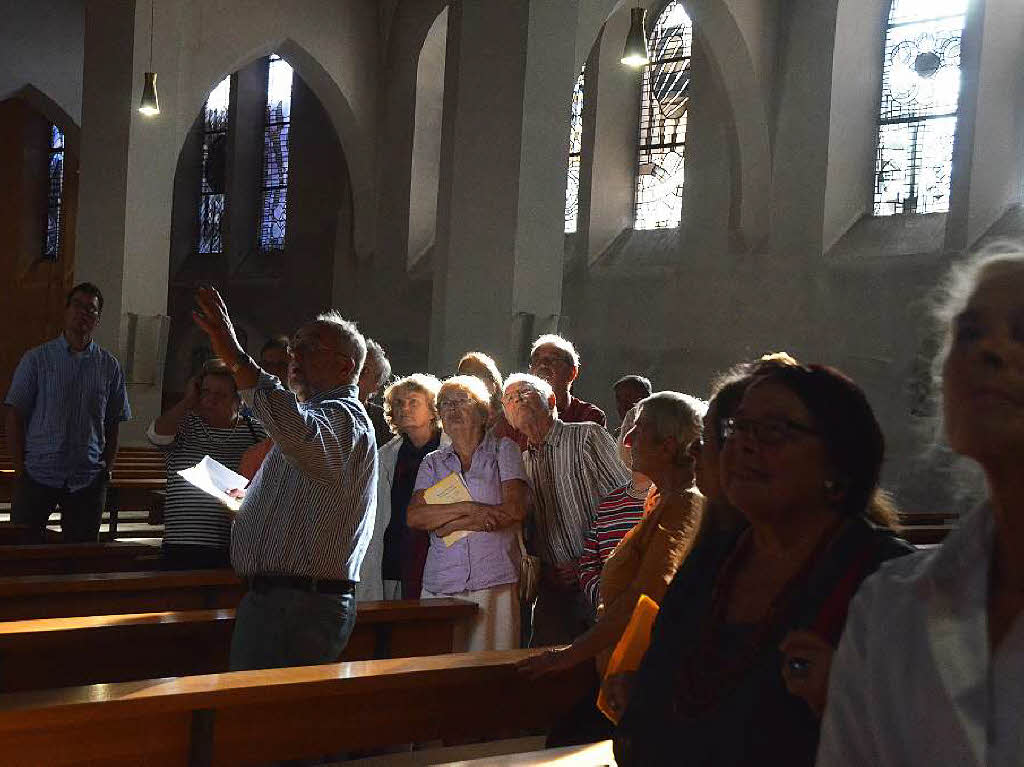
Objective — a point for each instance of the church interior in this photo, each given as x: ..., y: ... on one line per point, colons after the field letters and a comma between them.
x: 406, y: 162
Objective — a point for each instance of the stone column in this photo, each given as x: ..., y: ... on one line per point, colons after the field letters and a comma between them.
x: 499, y: 248
x: 126, y: 177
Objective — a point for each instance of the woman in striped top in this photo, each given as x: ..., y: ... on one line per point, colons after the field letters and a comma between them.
x: 207, y: 421
x: 616, y: 515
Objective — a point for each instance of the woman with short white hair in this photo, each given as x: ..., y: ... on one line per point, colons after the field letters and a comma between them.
x: 473, y: 550
x: 930, y: 669
x: 393, y: 566
x: 666, y: 428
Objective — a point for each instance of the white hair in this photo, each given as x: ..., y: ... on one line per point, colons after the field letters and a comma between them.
x: 375, y: 353
x: 562, y: 344
x: 539, y: 385
x: 674, y: 414
x: 352, y: 341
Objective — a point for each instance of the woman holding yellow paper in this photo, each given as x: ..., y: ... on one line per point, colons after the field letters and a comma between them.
x: 473, y: 550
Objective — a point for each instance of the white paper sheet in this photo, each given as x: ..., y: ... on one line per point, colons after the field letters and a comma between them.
x: 214, y: 478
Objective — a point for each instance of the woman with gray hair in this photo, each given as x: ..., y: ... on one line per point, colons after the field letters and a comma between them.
x: 646, y: 560
x: 930, y: 669
x: 393, y: 567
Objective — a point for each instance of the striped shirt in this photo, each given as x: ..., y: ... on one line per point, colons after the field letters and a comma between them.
x: 570, y: 472
x: 67, y: 400
x: 191, y: 516
x: 616, y: 515
x: 310, y: 508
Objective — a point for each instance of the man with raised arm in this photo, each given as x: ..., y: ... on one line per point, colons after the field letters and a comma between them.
x: 303, y: 528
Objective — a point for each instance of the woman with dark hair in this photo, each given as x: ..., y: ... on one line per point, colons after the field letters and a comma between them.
x: 738, y: 659
x: 931, y: 666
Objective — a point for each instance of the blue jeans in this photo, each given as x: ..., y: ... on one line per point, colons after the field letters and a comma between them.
x: 281, y: 627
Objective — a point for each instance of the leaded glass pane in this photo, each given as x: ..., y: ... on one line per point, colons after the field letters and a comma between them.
x: 920, y: 101
x: 572, y: 183
x: 55, y: 192
x: 214, y: 164
x: 664, y: 103
x: 274, y: 203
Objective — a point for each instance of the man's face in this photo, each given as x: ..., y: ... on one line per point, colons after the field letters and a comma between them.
x: 523, y: 403
x: 81, y: 314
x: 368, y: 378
x: 627, y: 395
x: 275, y: 361
x: 554, y: 366
x: 317, y: 363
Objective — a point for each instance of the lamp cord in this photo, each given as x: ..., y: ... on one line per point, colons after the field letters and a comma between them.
x: 152, y: 16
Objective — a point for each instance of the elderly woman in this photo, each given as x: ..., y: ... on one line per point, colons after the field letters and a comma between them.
x: 647, y: 558
x: 393, y: 567
x: 931, y: 667
x: 745, y: 630
x: 207, y: 421
x: 473, y: 550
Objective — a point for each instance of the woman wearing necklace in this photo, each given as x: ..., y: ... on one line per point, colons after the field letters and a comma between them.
x: 207, y: 421
x: 645, y: 561
x: 739, y: 655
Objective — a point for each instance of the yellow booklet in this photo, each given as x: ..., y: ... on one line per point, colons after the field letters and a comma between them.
x: 631, y: 648
x: 451, y: 489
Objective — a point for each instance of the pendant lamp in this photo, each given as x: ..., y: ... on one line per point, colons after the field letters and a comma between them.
x: 634, y: 54
x: 150, y: 104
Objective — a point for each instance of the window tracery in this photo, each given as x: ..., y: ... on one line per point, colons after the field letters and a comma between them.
x: 274, y: 203
x: 572, y: 183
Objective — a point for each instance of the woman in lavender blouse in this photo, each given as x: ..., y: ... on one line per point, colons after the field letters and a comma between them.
x: 473, y: 551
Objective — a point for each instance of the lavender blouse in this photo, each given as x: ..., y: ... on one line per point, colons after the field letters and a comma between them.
x: 481, y: 560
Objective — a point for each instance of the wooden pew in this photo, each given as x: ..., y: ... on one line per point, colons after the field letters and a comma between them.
x: 60, y: 596
x: 62, y: 652
x: 68, y: 558
x: 252, y: 717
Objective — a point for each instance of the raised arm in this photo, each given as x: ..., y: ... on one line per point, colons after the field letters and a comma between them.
x: 166, y: 424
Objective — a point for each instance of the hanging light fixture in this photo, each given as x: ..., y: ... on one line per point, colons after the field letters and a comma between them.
x: 150, y: 104
x: 634, y: 54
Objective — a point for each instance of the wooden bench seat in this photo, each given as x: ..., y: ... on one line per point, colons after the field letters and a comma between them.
x: 59, y: 596
x: 67, y: 558
x: 252, y: 717
x: 61, y: 652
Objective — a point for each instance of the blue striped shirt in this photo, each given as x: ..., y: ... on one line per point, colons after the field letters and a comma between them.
x: 309, y: 510
x: 67, y: 400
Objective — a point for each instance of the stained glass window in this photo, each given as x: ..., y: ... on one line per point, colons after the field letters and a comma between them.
x: 55, y: 191
x: 920, y: 100
x: 664, y: 101
x: 213, y: 182
x: 572, y: 182
x: 274, y: 208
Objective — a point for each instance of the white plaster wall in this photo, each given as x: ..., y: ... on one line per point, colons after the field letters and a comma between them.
x: 994, y: 180
x: 41, y: 44
x: 426, y: 145
x: 856, y: 92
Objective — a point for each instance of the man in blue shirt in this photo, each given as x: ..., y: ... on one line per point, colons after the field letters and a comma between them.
x: 65, y: 404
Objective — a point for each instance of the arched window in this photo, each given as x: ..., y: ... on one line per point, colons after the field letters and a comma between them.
x: 664, y: 102
x: 274, y: 205
x: 572, y: 182
x: 55, y: 192
x: 920, y: 103
x: 212, y: 184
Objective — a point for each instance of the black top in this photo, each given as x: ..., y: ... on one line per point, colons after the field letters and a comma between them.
x: 678, y: 714
x: 405, y: 549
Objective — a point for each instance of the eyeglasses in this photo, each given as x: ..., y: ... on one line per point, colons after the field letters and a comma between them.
x: 91, y: 309
x: 309, y: 346
x: 454, y: 404
x: 548, y: 359
x: 770, y: 431
x: 518, y: 397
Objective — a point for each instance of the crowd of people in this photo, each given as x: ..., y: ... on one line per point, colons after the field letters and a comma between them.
x: 752, y: 520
